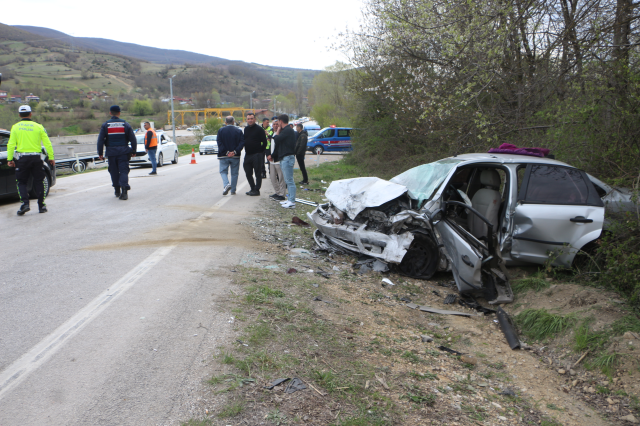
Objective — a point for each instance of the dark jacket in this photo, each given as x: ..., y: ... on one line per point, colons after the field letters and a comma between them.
x: 285, y: 144
x: 301, y: 143
x: 116, y: 134
x: 255, y: 140
x: 230, y: 139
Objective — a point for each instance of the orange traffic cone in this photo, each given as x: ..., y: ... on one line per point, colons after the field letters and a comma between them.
x: 193, y: 156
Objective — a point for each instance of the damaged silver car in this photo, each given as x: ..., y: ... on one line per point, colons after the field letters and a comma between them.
x: 471, y: 214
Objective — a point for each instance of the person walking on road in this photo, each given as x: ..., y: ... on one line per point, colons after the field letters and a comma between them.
x: 24, y: 152
x: 151, y: 146
x: 275, y: 172
x: 301, y: 149
x: 230, y: 143
x: 285, y: 140
x: 269, y: 132
x: 255, y: 145
x: 116, y: 134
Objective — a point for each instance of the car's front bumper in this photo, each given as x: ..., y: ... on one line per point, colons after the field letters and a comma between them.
x: 209, y: 149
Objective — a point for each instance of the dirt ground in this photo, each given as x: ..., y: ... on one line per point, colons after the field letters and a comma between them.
x: 367, y: 358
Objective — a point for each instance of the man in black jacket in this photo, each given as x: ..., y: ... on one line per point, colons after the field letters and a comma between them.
x: 285, y: 141
x: 116, y: 134
x: 301, y: 148
x: 255, y: 145
x: 230, y: 144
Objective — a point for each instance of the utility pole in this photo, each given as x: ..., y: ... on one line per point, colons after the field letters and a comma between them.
x: 173, y: 117
x: 251, y: 99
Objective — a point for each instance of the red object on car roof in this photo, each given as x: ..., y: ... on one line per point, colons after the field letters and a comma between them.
x: 507, y: 148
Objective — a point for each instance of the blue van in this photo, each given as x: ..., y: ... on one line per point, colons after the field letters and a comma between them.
x: 331, y: 139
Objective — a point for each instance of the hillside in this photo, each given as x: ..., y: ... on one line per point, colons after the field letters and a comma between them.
x: 145, y: 53
x: 65, y: 73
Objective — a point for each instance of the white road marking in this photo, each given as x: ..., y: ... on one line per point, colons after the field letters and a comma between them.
x: 20, y: 369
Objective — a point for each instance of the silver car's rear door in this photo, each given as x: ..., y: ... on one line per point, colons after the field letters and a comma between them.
x: 466, y: 260
x: 557, y: 213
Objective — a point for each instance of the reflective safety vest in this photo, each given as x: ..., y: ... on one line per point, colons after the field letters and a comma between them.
x: 153, y: 143
x: 269, y: 132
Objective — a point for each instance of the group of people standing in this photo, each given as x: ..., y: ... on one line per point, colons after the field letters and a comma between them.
x: 278, y: 142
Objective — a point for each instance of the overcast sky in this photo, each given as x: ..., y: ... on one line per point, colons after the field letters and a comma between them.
x: 296, y: 34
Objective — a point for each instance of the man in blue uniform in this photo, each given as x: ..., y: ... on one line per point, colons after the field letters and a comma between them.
x: 116, y: 134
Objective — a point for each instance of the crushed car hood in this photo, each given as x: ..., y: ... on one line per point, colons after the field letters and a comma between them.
x: 354, y: 195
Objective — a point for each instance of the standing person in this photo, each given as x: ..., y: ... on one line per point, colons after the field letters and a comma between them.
x: 255, y: 145
x: 277, y: 178
x: 269, y: 132
x: 151, y: 146
x: 285, y: 140
x: 230, y: 143
x: 301, y: 149
x: 116, y: 134
x: 26, y: 141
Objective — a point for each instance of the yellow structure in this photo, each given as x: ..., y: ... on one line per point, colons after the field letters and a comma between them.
x: 209, y: 112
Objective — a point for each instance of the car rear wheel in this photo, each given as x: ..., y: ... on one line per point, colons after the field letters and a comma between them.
x: 200, y: 153
x: 318, y: 149
x: 160, y: 160
x: 421, y: 260
x: 175, y: 158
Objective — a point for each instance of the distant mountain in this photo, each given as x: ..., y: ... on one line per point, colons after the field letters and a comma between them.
x: 145, y: 53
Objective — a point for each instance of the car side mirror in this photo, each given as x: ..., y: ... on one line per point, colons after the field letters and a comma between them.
x: 436, y: 216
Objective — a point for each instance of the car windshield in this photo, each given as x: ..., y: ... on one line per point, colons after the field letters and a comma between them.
x: 312, y: 132
x: 210, y: 138
x: 140, y: 138
x: 422, y: 181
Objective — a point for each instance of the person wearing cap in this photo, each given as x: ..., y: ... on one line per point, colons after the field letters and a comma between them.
x: 151, y: 146
x: 116, y: 134
x: 25, y: 144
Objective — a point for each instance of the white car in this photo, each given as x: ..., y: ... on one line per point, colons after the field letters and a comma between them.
x: 209, y: 145
x: 167, y: 150
x: 192, y: 128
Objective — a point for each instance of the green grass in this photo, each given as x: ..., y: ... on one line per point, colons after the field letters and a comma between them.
x: 629, y: 322
x: 185, y: 148
x: 535, y: 283
x: 193, y: 422
x: 231, y: 410
x: 422, y: 399
x: 585, y: 339
x: 540, y: 324
x: 261, y: 294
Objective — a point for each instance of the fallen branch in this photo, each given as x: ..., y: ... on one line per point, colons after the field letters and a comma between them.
x: 314, y: 388
x: 581, y: 358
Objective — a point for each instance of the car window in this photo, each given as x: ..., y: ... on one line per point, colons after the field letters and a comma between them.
x: 327, y: 133
x: 312, y: 132
x: 162, y: 138
x: 556, y: 185
x: 4, y: 141
x: 343, y: 133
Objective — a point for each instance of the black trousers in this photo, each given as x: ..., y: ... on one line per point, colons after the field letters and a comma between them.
x: 26, y: 166
x: 119, y: 170
x: 303, y: 169
x: 253, y: 164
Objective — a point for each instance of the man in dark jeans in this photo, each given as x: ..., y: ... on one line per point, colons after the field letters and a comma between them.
x: 255, y: 145
x: 301, y: 148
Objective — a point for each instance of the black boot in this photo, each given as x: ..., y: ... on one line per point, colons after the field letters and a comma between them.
x: 23, y: 209
x: 117, y: 191
x: 42, y: 208
x: 124, y: 195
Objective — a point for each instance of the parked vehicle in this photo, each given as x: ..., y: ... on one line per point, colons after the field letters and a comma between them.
x: 471, y: 214
x: 167, y: 150
x: 330, y: 139
x: 8, y: 186
x: 209, y: 145
x: 311, y: 129
x: 193, y: 128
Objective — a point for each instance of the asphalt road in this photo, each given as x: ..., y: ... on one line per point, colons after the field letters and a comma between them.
x: 110, y: 310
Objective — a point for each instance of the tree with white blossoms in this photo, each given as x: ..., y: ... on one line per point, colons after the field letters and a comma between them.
x: 449, y: 76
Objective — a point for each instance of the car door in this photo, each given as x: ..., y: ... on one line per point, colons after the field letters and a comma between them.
x: 466, y: 260
x: 7, y: 174
x: 558, y: 211
x: 343, y: 140
x: 325, y: 139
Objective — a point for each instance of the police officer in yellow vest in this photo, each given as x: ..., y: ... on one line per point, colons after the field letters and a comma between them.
x: 151, y: 146
x: 24, y: 152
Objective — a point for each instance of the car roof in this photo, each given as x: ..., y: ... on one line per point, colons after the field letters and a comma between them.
x: 507, y: 158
